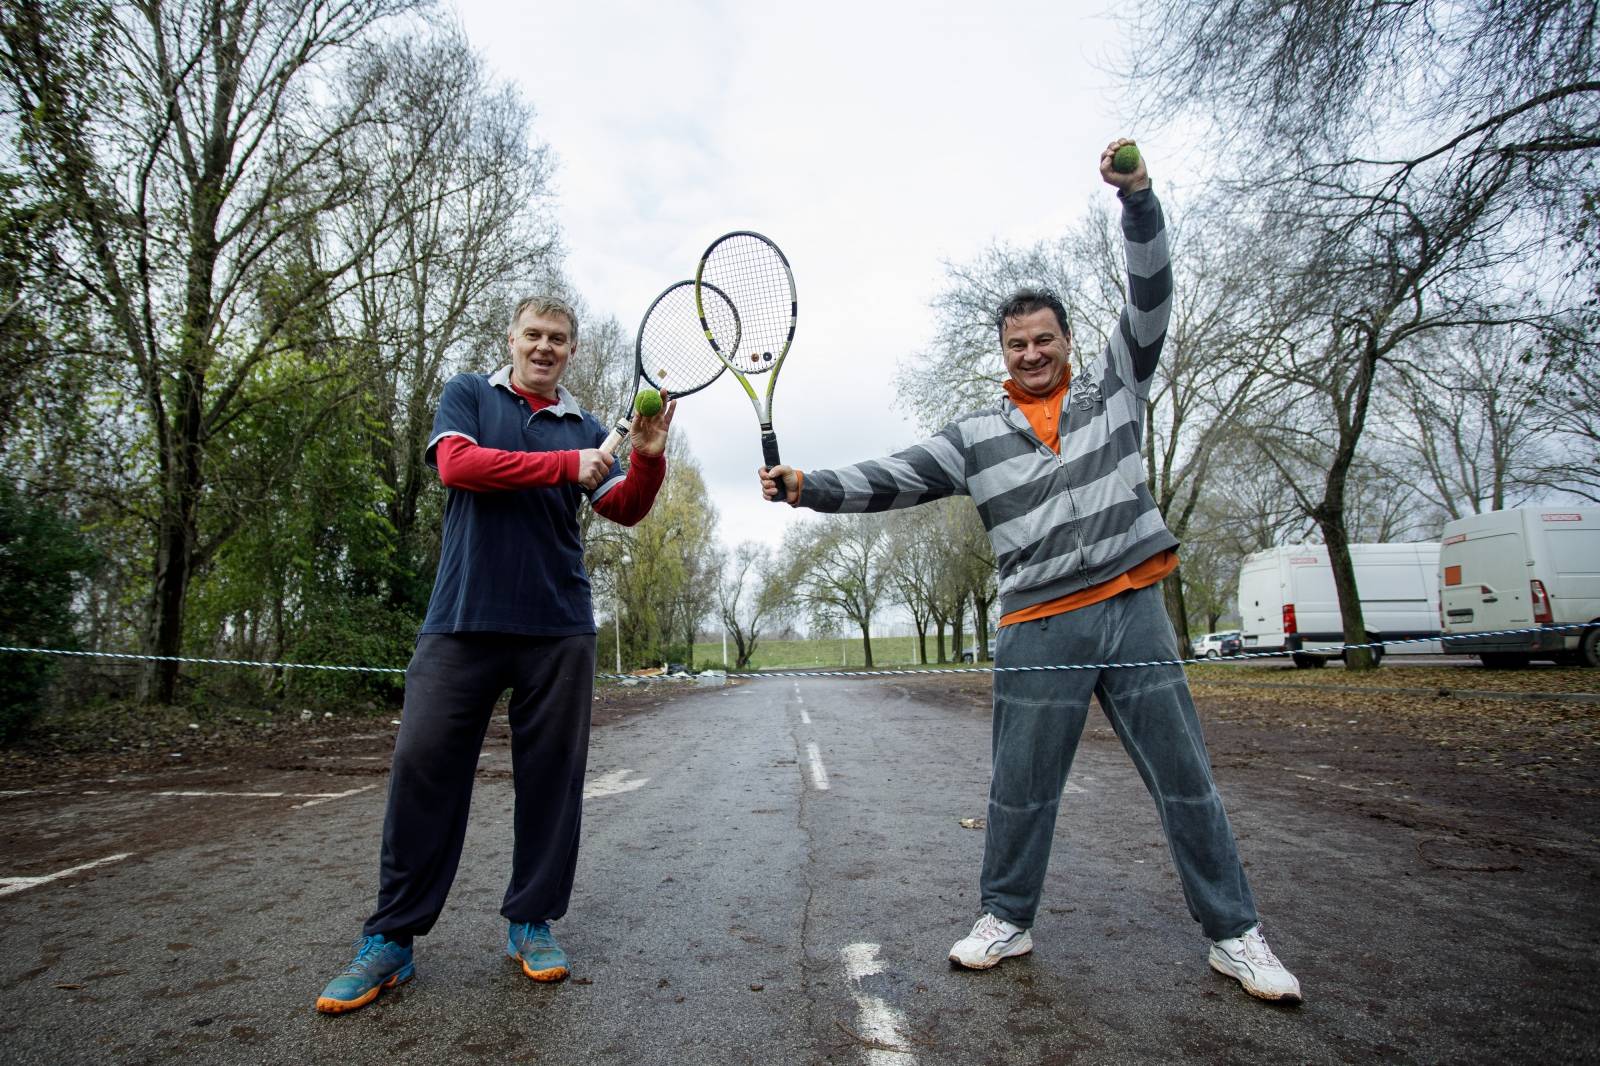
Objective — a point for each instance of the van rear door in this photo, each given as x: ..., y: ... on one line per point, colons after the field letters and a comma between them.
x: 1484, y: 583
x: 1570, y: 564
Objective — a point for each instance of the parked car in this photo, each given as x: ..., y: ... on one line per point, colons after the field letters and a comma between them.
x: 1232, y: 643
x: 1211, y: 645
x: 969, y: 655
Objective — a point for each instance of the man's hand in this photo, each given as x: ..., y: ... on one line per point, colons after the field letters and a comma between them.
x: 1132, y: 181
x: 593, y: 466
x: 650, y: 431
x: 769, y: 482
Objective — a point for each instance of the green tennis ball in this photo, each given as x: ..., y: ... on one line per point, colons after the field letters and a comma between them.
x: 648, y: 402
x: 1125, y: 160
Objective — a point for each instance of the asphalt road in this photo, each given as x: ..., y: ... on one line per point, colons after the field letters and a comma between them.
x: 773, y: 872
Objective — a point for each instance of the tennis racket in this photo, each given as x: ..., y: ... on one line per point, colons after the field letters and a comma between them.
x: 670, y: 352
x: 749, y: 270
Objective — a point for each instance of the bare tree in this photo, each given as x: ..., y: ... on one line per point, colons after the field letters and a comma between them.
x: 837, y: 564
x: 1409, y: 158
x: 1569, y: 405
x: 751, y: 597
x: 911, y: 567
x: 1463, y: 416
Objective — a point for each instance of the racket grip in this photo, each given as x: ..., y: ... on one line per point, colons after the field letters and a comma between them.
x: 769, y: 453
x: 619, y: 431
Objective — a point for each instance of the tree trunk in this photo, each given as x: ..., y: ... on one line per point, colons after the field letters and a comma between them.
x: 1344, y: 583
x: 866, y: 644
x: 1172, y: 590
x: 980, y: 623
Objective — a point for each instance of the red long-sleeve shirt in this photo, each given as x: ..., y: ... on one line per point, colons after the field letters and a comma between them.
x: 467, y: 466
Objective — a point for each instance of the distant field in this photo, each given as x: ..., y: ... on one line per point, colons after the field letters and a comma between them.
x: 782, y: 654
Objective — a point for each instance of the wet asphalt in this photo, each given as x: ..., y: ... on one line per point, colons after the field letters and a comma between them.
x: 773, y: 872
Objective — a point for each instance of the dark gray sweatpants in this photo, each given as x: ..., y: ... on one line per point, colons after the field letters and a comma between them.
x: 452, y: 684
x: 1038, y: 720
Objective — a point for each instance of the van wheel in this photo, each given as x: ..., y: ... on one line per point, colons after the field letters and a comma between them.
x: 1589, y: 648
x: 1211, y: 653
x: 1503, y: 660
x: 1309, y: 662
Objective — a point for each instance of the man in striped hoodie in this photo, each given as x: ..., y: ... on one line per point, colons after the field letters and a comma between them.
x: 1056, y: 473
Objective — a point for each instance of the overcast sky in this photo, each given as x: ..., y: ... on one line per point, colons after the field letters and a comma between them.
x: 871, y: 141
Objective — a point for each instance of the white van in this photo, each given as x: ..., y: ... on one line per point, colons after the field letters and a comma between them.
x: 1523, y: 568
x: 1288, y: 603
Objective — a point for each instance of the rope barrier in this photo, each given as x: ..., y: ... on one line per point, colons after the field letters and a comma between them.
x: 1238, y: 657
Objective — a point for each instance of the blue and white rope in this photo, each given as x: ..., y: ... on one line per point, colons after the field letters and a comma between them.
x: 128, y: 656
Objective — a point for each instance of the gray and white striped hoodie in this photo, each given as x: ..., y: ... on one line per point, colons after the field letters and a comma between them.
x: 1058, y: 523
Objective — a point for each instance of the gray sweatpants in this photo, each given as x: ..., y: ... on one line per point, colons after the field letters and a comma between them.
x: 1038, y: 720
x: 452, y: 684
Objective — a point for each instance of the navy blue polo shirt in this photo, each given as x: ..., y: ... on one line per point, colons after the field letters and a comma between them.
x: 512, y: 562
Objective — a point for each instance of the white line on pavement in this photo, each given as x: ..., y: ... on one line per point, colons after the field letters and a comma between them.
x: 9, y: 885
x: 612, y: 784
x: 236, y: 795
x: 328, y: 797
x: 805, y: 719
x: 876, y: 1020
x: 819, y: 773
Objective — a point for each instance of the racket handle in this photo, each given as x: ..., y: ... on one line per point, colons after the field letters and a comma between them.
x: 619, y: 431
x: 769, y: 452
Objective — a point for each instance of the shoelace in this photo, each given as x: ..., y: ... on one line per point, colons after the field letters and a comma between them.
x: 1257, y: 951
x: 989, y: 927
x: 366, y: 948
x: 538, y: 936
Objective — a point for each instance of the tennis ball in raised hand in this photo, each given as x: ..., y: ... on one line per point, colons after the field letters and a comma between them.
x: 648, y: 402
x: 1125, y: 160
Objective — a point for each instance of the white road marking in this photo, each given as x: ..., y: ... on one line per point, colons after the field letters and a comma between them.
x: 1073, y: 789
x: 312, y: 799
x: 613, y: 784
x: 328, y: 797
x: 805, y: 719
x: 875, y: 1019
x: 9, y: 885
x: 353, y: 736
x: 237, y: 795
x: 819, y: 773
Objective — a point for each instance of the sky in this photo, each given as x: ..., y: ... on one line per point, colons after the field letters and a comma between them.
x: 873, y: 142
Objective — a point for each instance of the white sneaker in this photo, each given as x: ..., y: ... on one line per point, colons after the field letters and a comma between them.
x: 991, y: 940
x: 1248, y: 960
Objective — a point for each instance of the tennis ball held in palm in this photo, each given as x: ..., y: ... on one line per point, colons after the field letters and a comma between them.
x: 648, y: 402
x: 1125, y: 160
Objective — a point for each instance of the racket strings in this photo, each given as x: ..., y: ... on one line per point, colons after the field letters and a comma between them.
x: 755, y: 278
x: 673, y: 352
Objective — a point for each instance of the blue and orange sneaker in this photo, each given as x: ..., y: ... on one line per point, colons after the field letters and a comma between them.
x: 379, y: 964
x: 534, y: 945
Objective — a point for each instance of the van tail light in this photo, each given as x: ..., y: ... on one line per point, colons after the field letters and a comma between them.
x: 1288, y: 620
x: 1540, y: 601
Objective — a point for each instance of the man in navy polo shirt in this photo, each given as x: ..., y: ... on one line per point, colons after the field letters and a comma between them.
x: 510, y: 609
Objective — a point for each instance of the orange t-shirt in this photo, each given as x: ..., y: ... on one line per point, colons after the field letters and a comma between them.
x: 1043, y: 413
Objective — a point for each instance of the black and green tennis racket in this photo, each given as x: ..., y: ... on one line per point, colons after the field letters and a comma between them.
x: 670, y: 353
x: 755, y: 277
